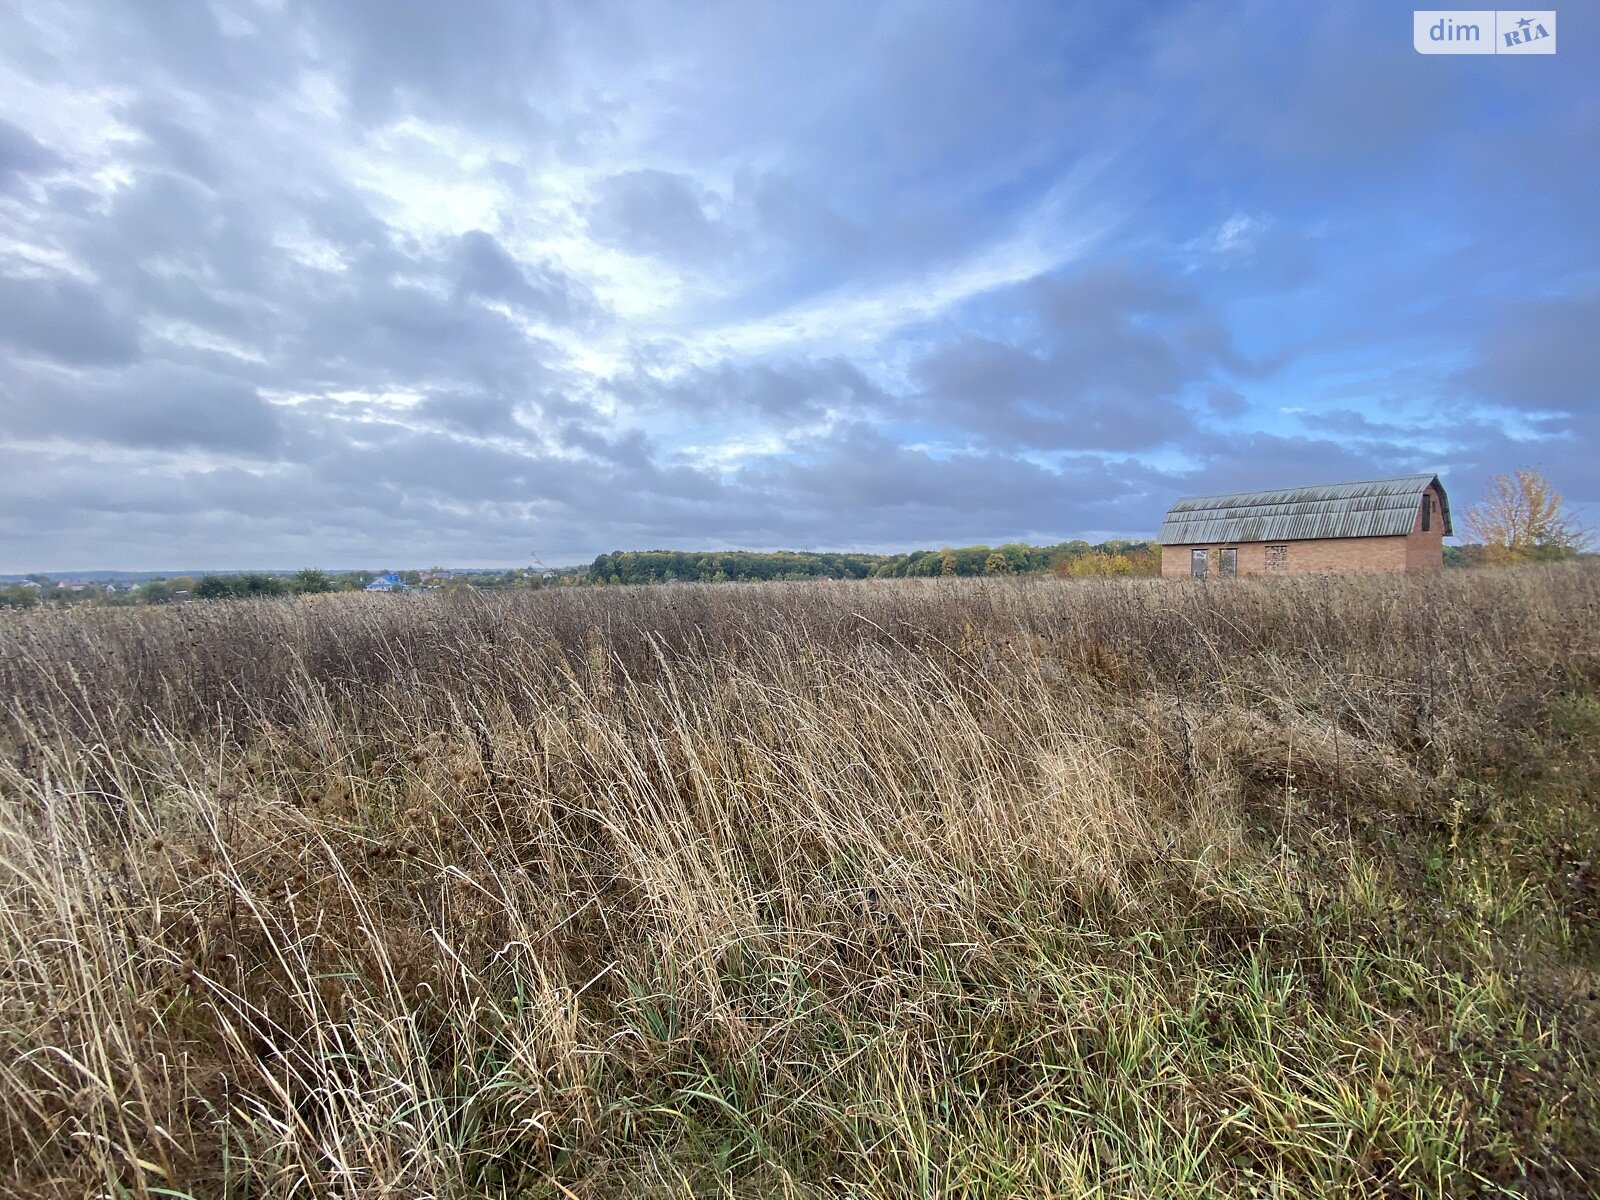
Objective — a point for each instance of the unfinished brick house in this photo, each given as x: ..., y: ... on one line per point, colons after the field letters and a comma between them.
x: 1373, y: 525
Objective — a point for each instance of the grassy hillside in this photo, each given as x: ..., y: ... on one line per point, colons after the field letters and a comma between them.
x: 955, y: 888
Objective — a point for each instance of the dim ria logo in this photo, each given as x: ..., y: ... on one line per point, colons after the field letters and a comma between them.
x: 1484, y: 31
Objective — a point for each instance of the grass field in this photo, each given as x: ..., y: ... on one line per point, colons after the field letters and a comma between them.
x: 910, y: 888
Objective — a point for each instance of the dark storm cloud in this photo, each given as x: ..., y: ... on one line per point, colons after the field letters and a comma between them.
x: 66, y: 321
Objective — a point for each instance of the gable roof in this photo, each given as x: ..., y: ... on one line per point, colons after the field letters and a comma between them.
x: 1367, y: 508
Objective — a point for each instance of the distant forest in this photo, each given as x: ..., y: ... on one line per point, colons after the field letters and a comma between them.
x: 1076, y: 558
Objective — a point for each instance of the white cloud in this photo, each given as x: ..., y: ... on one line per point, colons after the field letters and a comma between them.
x: 1061, y: 229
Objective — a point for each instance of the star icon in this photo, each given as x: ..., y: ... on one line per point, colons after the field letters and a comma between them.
x: 1525, y: 22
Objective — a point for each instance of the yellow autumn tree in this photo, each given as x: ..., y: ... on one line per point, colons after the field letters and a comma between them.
x: 1522, y: 517
x: 1144, y: 562
x: 1092, y: 566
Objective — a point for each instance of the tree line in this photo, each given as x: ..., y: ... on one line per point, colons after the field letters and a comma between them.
x: 42, y: 590
x: 1013, y: 558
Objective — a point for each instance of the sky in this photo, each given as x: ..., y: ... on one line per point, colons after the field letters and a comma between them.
x: 403, y: 284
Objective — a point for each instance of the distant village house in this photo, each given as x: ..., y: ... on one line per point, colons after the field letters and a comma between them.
x: 1394, y: 524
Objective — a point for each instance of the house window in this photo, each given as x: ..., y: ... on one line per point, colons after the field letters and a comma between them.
x: 1197, y: 564
x: 1277, y: 558
x: 1230, y: 562
x: 1427, y: 513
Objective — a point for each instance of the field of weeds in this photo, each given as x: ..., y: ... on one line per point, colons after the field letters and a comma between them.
x: 961, y: 888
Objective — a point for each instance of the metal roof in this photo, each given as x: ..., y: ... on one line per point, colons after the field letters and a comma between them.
x: 1367, y: 508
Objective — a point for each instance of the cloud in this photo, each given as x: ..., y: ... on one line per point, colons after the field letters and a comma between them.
x: 413, y: 55
x: 65, y: 321
x: 1226, y: 402
x: 655, y: 213
x: 320, y: 282
x: 1103, y: 360
x: 477, y: 413
x: 1543, y: 354
x: 22, y: 154
x: 782, y: 392
x: 488, y: 272
x: 1259, y: 461
x: 1300, y: 99
x: 887, y: 493
x: 151, y: 405
x: 1260, y: 248
x: 171, y: 144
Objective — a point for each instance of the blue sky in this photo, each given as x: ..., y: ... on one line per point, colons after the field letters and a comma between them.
x: 287, y: 282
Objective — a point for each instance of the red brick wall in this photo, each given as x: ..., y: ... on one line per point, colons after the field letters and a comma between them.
x: 1425, y: 551
x: 1318, y: 556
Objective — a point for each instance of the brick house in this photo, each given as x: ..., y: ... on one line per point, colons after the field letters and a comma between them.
x: 1394, y: 524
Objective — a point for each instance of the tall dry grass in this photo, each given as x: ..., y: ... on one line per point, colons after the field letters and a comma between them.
x: 912, y: 888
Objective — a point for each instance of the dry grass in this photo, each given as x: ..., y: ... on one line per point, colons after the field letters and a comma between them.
x: 965, y: 888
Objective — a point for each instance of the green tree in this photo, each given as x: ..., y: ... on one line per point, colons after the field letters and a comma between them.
x: 257, y: 584
x: 311, y: 580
